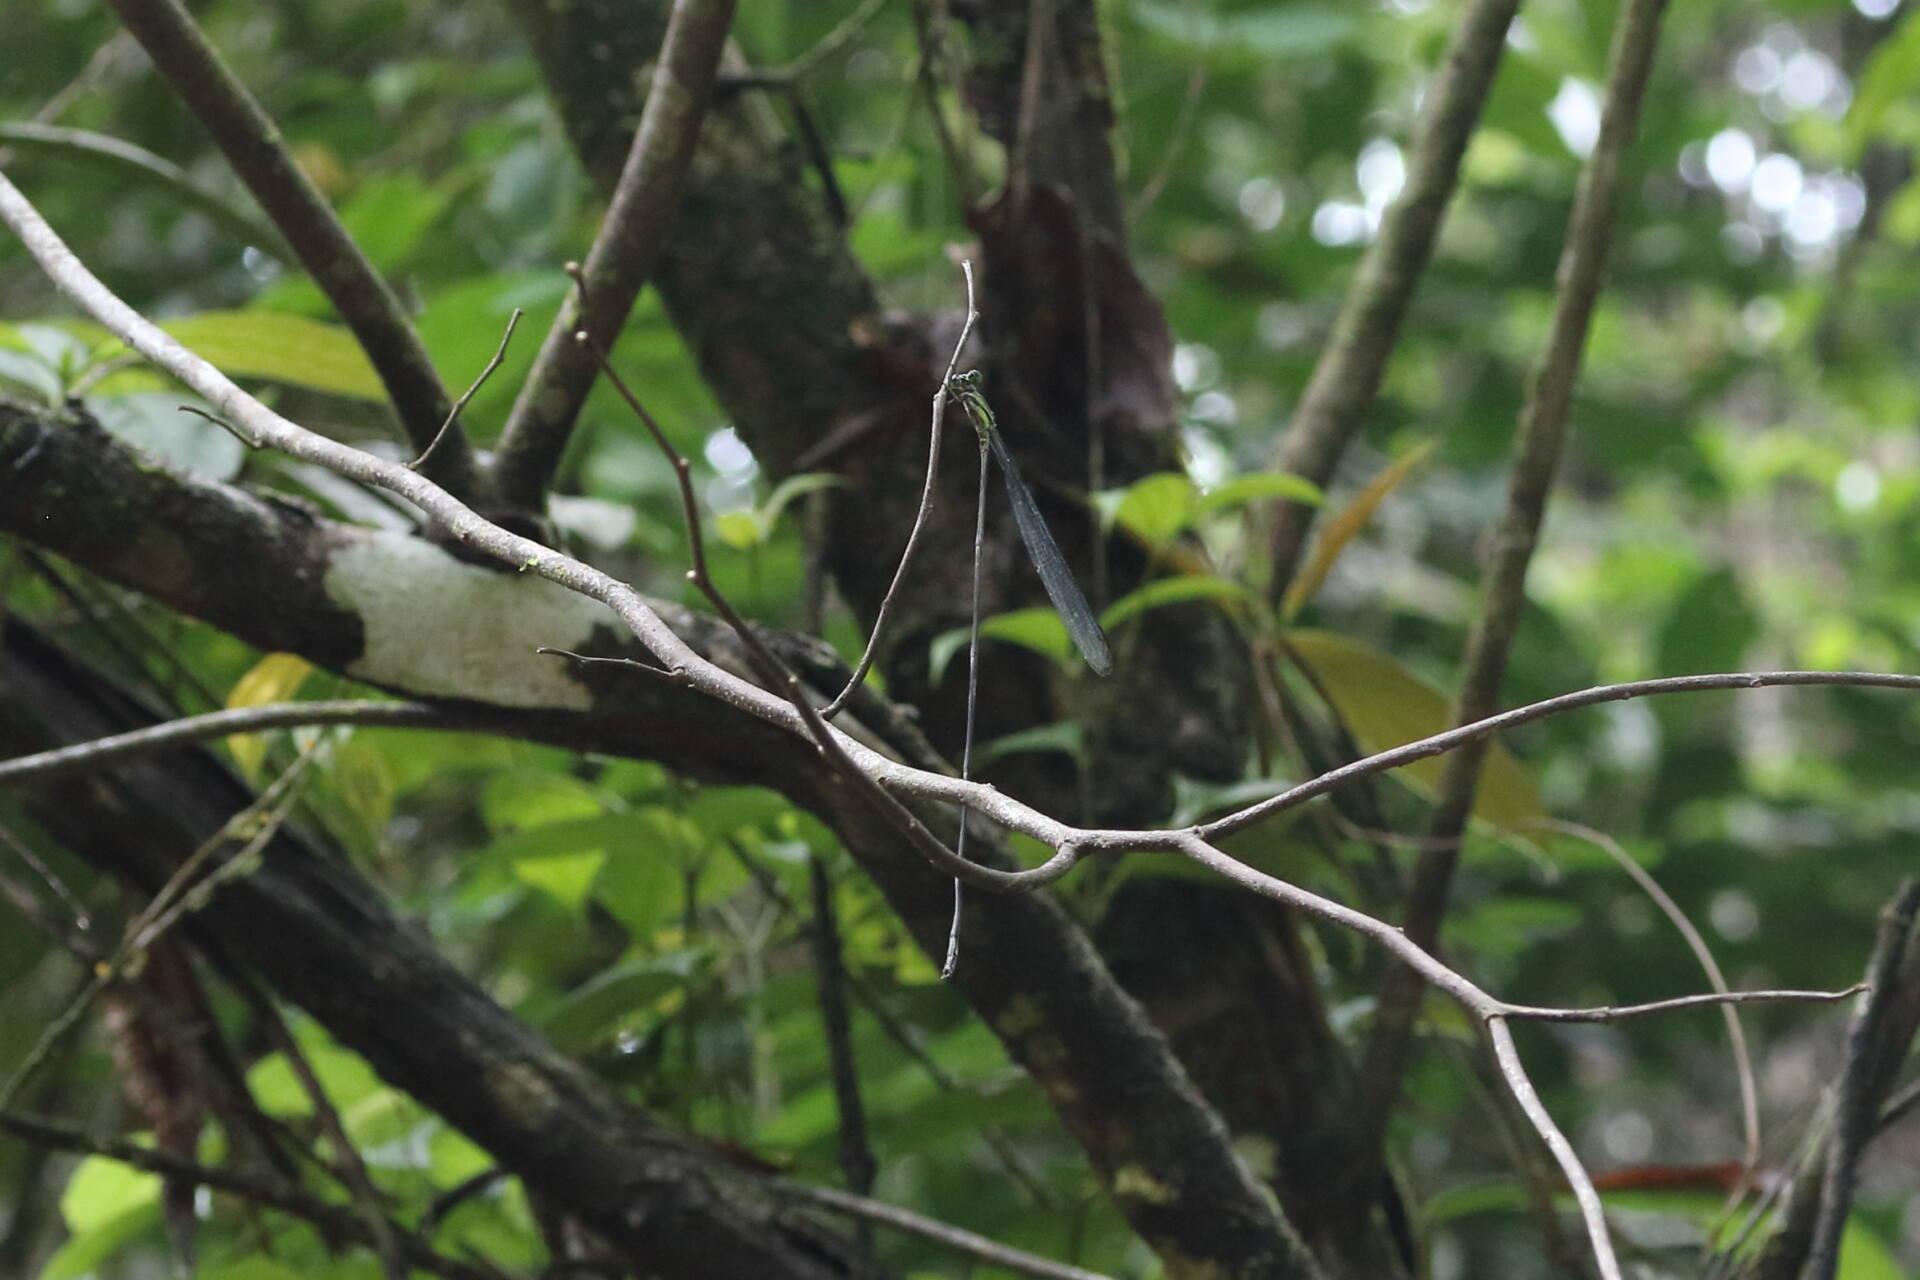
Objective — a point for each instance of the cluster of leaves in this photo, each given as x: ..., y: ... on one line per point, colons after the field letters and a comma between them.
x: 1738, y: 495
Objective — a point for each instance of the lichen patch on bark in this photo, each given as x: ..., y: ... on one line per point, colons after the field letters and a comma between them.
x: 438, y: 626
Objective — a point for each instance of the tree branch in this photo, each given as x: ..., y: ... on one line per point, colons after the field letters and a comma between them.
x: 623, y: 254
x: 1347, y: 376
x: 252, y: 144
x: 857, y: 1162
x: 1878, y: 1044
x: 762, y: 257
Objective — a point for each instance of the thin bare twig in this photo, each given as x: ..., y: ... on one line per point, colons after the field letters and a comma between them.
x: 221, y: 423
x: 1705, y: 999
x: 453, y: 414
x: 1347, y: 376
x: 113, y: 55
x: 623, y: 254
x: 1448, y: 740
x: 952, y: 960
x: 103, y: 752
x: 253, y: 145
x: 672, y: 677
x: 1736, y: 1035
x: 861, y: 668
x: 857, y: 1163
x: 952, y: 1237
x: 1514, y: 1072
x: 73, y: 934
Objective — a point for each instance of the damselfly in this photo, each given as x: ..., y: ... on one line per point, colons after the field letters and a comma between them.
x: 1068, y: 600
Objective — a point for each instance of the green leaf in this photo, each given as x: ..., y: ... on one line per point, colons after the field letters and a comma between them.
x: 1065, y: 737
x: 103, y: 1190
x: 1156, y: 508
x: 720, y: 812
x: 1902, y: 217
x: 641, y: 888
x: 1262, y: 484
x: 105, y: 1204
x: 463, y: 323
x: 567, y: 877
x: 362, y: 777
x: 1385, y: 705
x: 1039, y: 629
x: 526, y: 798
x: 1508, y: 924
x: 793, y: 487
x: 280, y: 348
x: 1709, y: 629
x: 611, y: 1000
x: 1865, y: 1256
x: 944, y: 647
x: 345, y: 1076
x: 390, y: 213
x: 24, y: 371
x: 57, y: 348
x: 1176, y: 590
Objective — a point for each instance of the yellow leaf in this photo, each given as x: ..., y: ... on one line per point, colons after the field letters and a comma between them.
x: 275, y: 678
x: 738, y: 529
x: 1385, y: 705
x: 1342, y: 529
